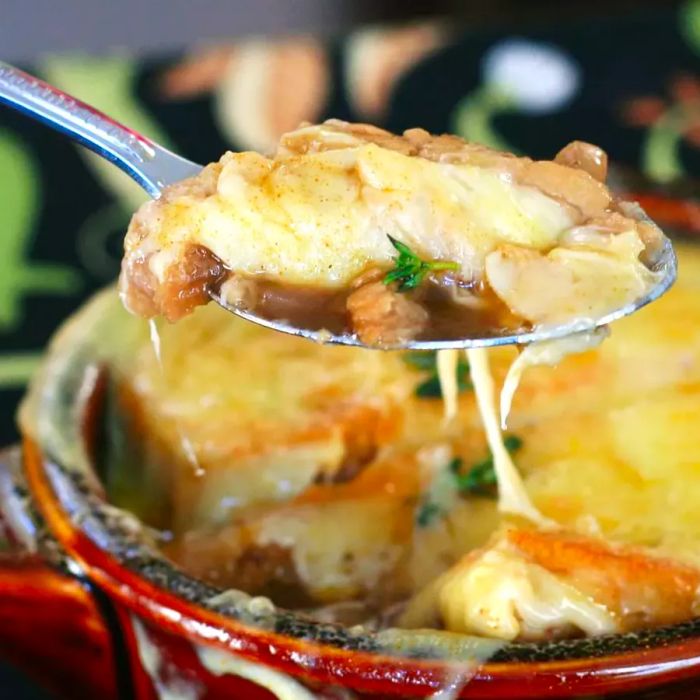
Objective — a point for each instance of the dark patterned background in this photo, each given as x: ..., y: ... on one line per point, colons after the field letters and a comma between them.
x: 631, y: 84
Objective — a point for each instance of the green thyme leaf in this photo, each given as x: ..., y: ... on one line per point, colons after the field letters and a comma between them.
x: 430, y: 388
x: 452, y: 480
x: 512, y: 443
x: 409, y: 270
x: 439, y: 498
x: 478, y: 479
x: 428, y: 513
x: 481, y: 478
x: 421, y: 359
x: 455, y: 465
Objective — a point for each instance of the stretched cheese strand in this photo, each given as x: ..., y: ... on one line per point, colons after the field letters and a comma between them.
x: 172, y: 686
x: 512, y: 497
x: 220, y: 663
x: 446, y: 361
x: 551, y: 353
x: 186, y: 444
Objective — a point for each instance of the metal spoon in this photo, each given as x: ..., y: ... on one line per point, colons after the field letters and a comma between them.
x: 154, y: 167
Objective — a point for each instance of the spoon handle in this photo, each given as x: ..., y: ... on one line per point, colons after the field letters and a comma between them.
x: 152, y: 166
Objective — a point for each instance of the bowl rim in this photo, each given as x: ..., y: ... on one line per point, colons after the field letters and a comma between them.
x: 628, y: 661
x: 377, y: 671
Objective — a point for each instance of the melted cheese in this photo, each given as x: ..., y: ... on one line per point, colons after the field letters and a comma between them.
x: 572, y: 282
x: 322, y: 211
x: 187, y: 446
x: 220, y: 662
x: 500, y: 594
x: 447, y: 374
x: 174, y: 687
x: 512, y: 497
x: 550, y: 353
x: 319, y: 218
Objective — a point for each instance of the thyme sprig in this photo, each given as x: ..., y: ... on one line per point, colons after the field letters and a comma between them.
x: 428, y: 513
x: 481, y: 478
x: 426, y: 361
x: 409, y: 270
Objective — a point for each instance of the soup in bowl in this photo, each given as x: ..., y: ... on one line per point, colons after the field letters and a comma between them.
x: 300, y: 518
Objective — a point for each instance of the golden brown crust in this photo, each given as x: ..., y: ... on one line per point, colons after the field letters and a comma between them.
x: 416, y: 142
x: 141, y: 291
x: 338, y: 134
x: 186, y: 285
x: 576, y: 175
x: 641, y: 589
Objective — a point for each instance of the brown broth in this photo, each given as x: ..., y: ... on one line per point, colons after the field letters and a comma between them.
x: 302, y: 306
x: 451, y: 320
x: 318, y: 309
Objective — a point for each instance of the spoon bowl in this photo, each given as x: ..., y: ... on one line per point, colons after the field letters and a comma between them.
x: 154, y: 167
x: 666, y: 267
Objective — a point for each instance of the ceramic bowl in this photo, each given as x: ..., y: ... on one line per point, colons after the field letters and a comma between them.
x: 92, y: 608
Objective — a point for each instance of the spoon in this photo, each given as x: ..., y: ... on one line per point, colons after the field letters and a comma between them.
x: 154, y: 167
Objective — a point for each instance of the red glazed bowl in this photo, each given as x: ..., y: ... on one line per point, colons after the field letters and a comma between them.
x: 90, y: 606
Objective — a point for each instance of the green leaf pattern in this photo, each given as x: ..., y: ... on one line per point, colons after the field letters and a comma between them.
x: 20, y: 276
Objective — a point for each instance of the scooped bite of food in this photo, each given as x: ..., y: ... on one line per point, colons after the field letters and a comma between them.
x: 392, y: 238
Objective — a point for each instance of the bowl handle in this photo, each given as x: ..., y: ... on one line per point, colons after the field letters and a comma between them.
x: 52, y: 622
